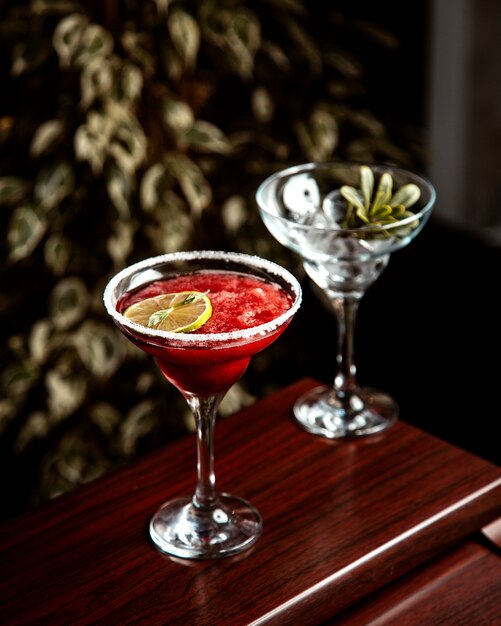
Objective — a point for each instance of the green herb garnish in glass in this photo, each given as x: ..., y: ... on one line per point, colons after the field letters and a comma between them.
x: 378, y: 205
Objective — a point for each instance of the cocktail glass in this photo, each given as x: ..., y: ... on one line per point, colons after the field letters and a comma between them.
x: 203, y: 367
x: 304, y: 209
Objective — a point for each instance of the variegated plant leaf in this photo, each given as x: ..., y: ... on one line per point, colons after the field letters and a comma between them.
x: 185, y: 34
x: 19, y: 377
x: 95, y: 42
x: 276, y: 54
x: 57, y: 254
x: 243, y: 38
x: 42, y: 339
x: 92, y: 139
x: 119, y: 186
x: 90, y: 148
x: 177, y: 115
x: 8, y: 410
x: 262, y: 104
x: 68, y: 302
x: 172, y: 227
x: 234, y: 213
x: 68, y: 35
x: 237, y: 32
x: 128, y: 142
x: 66, y: 390
x: 46, y: 136
x: 152, y: 187
x: 130, y: 83
x: 13, y: 189
x: 127, y: 153
x: 78, y: 459
x: 136, y: 46
x: 207, y: 137
x: 139, y: 421
x: 318, y: 137
x: 121, y: 242
x: 96, y: 80
x: 170, y: 62
x: 240, y: 57
x: 195, y: 187
x: 323, y: 134
x: 99, y: 347
x: 36, y: 426
x: 106, y: 416
x: 25, y: 231
x: 53, y: 183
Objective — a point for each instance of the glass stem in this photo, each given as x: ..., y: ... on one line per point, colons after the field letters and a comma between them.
x: 205, y: 410
x: 345, y: 310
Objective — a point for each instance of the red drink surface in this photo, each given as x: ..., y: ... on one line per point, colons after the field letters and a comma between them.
x: 239, y: 302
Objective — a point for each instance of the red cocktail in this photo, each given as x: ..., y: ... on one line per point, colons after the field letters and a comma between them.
x: 239, y: 302
x: 246, y: 303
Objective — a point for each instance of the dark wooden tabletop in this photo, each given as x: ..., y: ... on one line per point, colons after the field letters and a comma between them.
x: 461, y: 586
x: 352, y: 526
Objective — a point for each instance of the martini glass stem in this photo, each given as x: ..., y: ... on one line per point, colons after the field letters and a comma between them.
x: 345, y: 310
x: 205, y: 410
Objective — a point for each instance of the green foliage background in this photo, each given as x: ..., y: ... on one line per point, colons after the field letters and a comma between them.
x: 129, y: 129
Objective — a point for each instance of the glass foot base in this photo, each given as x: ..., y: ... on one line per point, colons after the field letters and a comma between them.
x: 366, y: 412
x: 181, y: 529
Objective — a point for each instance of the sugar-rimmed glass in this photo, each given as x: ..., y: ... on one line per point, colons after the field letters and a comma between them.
x: 203, y: 367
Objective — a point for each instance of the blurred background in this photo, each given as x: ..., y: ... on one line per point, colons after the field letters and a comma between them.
x: 133, y: 128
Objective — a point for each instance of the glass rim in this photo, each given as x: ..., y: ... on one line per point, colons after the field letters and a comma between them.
x: 292, y: 170
x: 207, y: 339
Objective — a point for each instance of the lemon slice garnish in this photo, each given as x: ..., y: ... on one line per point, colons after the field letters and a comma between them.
x: 181, y: 312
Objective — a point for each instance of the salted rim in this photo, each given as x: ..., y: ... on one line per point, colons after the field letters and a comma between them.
x: 205, y: 338
x: 305, y: 167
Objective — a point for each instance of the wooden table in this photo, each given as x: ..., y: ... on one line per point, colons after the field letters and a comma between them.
x: 377, y: 529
